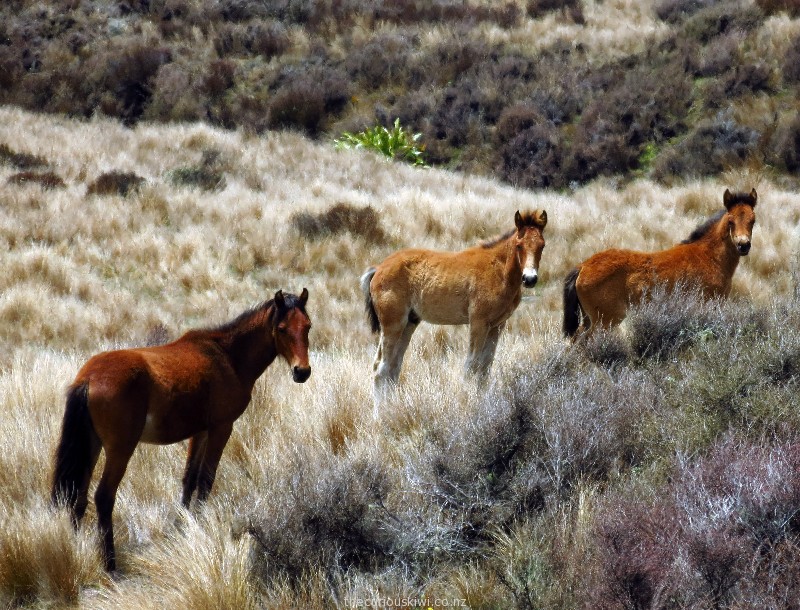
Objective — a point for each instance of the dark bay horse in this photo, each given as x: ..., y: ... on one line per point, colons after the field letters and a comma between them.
x: 606, y: 284
x: 480, y: 286
x: 194, y: 388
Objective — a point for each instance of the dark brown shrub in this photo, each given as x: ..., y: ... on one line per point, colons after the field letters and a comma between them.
x: 713, y: 146
x: 125, y: 76
x: 115, y: 183
x: 771, y: 7
x: 11, y: 69
x: 175, y: 95
x: 268, y: 39
x: 719, y: 55
x: 539, y: 8
x: 47, y: 180
x: 219, y: 76
x: 22, y: 161
x: 747, y: 78
x: 261, y: 38
x: 675, y: 11
x: 718, y: 18
x: 788, y: 146
x: 298, y: 104
x: 532, y: 159
x: 791, y: 62
x: 202, y: 176
x: 342, y: 217
x: 382, y: 60
x: 516, y: 119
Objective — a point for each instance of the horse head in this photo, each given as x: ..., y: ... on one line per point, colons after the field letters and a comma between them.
x: 741, y: 218
x: 529, y: 243
x: 290, y: 326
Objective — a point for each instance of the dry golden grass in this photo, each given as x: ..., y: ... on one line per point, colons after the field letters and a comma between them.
x: 84, y: 273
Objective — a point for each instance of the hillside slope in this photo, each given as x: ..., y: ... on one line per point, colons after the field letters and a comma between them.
x: 537, y: 95
x: 531, y: 492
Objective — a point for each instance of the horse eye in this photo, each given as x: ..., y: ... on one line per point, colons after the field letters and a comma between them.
x: 281, y: 328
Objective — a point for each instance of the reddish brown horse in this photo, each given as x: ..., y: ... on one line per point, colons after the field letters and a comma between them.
x: 194, y: 388
x: 480, y: 286
x: 606, y: 284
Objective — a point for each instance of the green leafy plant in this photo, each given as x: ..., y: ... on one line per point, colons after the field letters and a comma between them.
x: 395, y: 143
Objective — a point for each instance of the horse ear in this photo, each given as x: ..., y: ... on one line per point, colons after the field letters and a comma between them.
x: 754, y: 197
x: 279, y: 300
x: 727, y: 199
x: 541, y: 219
x: 304, y: 297
x: 518, y: 221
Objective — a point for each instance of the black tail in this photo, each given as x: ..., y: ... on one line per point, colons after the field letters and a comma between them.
x: 573, y: 310
x: 369, y: 305
x: 74, y: 453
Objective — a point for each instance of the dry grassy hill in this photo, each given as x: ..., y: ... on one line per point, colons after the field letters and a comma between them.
x: 318, y: 500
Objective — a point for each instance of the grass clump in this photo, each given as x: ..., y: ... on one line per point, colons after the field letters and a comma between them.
x: 340, y: 218
x: 115, y: 183
x: 23, y: 161
x: 47, y: 180
x: 394, y: 143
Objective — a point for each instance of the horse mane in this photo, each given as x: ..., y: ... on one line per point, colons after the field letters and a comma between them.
x: 704, y: 227
x: 528, y: 219
x: 499, y: 239
x: 227, y: 328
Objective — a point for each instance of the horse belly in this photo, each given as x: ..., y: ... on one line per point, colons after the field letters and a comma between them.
x: 442, y: 306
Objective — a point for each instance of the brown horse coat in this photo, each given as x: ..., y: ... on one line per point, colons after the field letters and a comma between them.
x: 194, y: 388
x: 607, y: 283
x: 480, y: 286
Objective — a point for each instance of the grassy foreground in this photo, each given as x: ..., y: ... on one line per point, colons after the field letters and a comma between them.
x: 653, y: 468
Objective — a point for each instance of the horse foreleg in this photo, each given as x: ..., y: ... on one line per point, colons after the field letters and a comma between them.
x: 478, y: 334
x: 105, y: 496
x: 486, y: 355
x: 194, y: 458
x: 217, y: 439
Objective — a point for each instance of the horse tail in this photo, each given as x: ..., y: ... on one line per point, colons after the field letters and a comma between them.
x: 372, y: 315
x: 74, y: 453
x: 573, y: 310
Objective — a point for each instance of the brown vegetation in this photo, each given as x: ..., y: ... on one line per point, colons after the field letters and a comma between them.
x: 625, y: 89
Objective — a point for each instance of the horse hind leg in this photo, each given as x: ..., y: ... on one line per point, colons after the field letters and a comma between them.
x: 105, y: 497
x: 194, y: 461
x: 394, y: 345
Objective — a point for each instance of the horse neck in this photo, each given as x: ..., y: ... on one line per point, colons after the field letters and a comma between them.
x: 507, y: 250
x: 251, y: 348
x: 718, y: 245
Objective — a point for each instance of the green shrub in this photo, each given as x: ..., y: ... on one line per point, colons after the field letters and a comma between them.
x: 394, y: 143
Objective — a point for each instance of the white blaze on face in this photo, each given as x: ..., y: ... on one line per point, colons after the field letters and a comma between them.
x: 530, y: 274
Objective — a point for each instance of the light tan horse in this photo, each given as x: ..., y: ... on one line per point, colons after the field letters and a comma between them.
x: 480, y: 286
x: 606, y: 284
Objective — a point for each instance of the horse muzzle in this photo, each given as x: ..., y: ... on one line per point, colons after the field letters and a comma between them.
x: 301, y: 373
x: 529, y: 281
x: 743, y: 248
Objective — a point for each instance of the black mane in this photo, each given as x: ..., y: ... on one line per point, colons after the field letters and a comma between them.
x: 703, y: 228
x: 291, y: 301
x: 500, y: 238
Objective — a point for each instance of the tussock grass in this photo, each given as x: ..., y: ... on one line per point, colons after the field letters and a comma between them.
x: 504, y: 495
